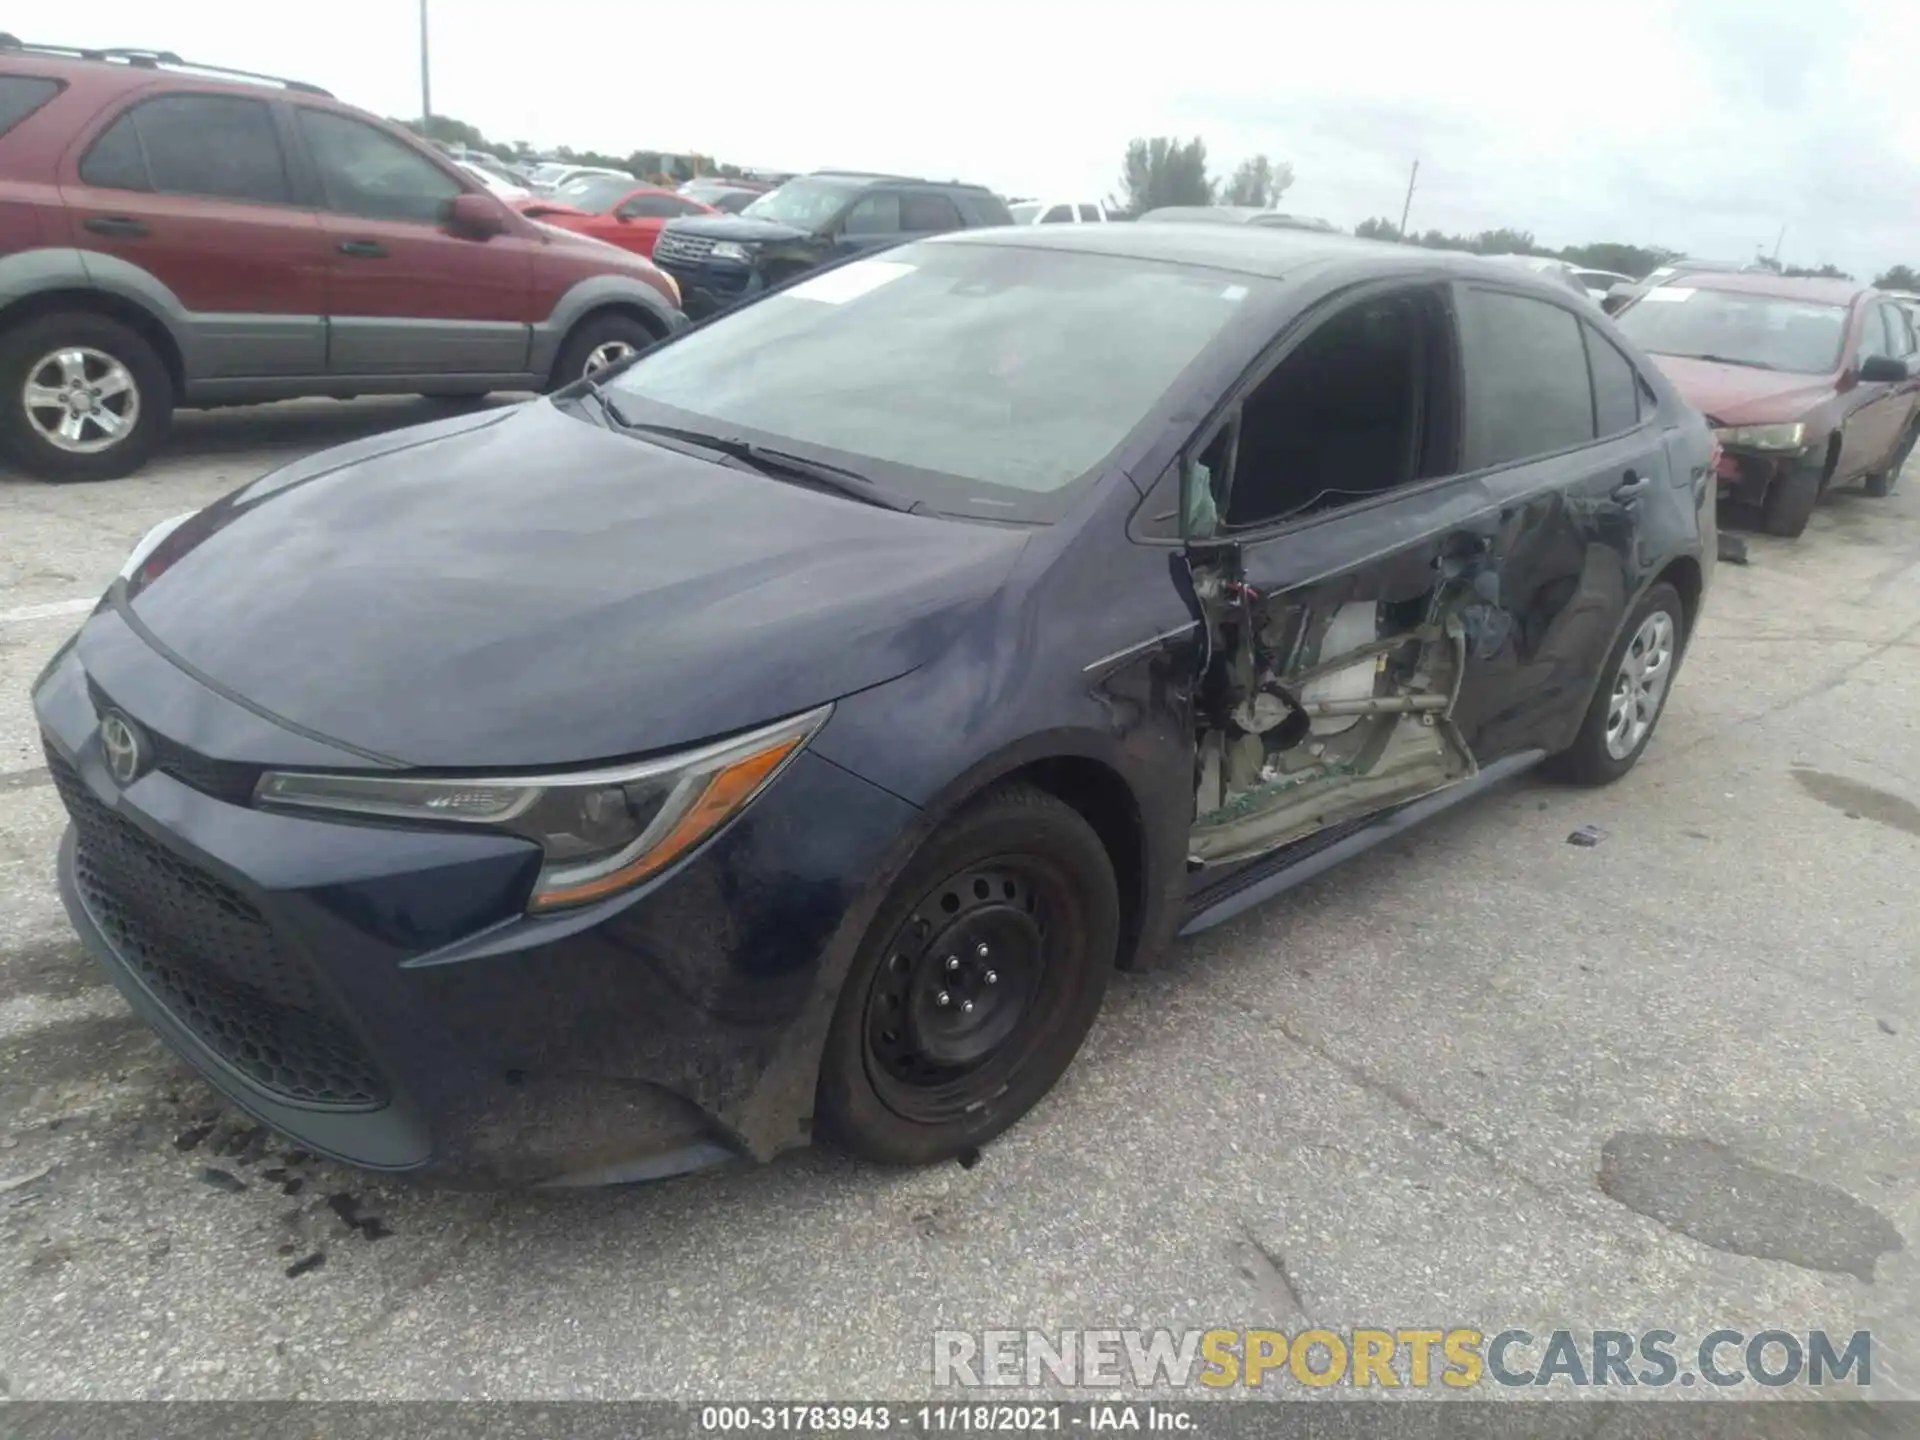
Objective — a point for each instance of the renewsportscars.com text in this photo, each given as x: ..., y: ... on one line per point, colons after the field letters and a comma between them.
x: 1458, y: 1358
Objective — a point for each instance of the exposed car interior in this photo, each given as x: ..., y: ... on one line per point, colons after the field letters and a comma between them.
x: 1349, y: 414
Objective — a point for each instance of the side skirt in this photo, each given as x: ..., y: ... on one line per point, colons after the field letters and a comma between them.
x: 1316, y: 854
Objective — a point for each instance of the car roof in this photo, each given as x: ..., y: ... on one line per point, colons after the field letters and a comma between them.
x: 872, y: 177
x: 1269, y: 252
x: 1226, y: 214
x: 1781, y: 287
x: 123, y: 68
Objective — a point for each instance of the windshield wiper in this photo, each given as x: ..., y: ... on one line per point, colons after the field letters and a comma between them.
x: 1731, y: 360
x: 777, y: 463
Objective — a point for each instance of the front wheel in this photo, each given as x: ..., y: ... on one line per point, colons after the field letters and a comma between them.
x: 1632, y: 693
x: 1790, y: 500
x: 82, y: 397
x: 602, y: 341
x: 975, y: 985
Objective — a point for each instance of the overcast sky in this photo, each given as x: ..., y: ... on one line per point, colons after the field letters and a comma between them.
x: 1705, y: 125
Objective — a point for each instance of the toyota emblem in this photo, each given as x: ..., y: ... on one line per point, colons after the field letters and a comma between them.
x: 126, y: 748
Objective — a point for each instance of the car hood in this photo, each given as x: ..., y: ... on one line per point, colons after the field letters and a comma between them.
x: 734, y: 227
x: 1742, y: 395
x: 525, y: 588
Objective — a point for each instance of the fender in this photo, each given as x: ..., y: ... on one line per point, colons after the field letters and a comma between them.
x: 597, y: 292
x: 36, y: 272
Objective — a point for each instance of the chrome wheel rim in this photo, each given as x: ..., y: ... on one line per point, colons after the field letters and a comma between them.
x: 612, y: 352
x: 81, y: 400
x: 1640, y: 685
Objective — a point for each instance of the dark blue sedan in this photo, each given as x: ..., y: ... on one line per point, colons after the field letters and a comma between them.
x: 789, y: 733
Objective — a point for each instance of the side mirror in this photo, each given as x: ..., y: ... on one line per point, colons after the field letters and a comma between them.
x: 475, y: 216
x: 623, y: 215
x: 1884, y: 370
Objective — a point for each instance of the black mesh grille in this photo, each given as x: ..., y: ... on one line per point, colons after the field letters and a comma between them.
x: 206, y: 954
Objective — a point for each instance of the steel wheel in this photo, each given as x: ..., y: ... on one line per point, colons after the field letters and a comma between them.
x: 609, y: 352
x: 948, y: 1016
x: 81, y: 400
x: 1640, y: 685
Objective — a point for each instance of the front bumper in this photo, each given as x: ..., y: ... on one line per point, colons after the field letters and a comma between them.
x: 710, y: 286
x: 379, y: 994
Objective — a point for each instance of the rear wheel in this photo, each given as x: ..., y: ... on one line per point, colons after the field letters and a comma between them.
x: 82, y: 397
x: 1881, y: 485
x: 600, y: 341
x: 976, y: 983
x: 1632, y: 693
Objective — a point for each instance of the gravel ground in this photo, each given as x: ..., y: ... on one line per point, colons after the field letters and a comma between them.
x: 1479, y: 1077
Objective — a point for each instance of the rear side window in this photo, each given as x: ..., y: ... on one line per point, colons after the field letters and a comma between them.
x: 875, y: 214
x: 21, y: 95
x: 654, y: 207
x: 1058, y: 215
x: 1616, y: 386
x: 920, y: 214
x: 223, y: 147
x: 1526, y: 379
x: 1090, y: 213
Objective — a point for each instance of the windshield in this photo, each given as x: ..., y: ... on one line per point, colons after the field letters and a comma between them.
x: 980, y: 380
x: 595, y: 194
x: 1023, y: 214
x: 805, y: 204
x: 1759, y: 330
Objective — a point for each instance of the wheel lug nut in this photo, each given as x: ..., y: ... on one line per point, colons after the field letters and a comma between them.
x: 943, y: 998
x: 953, y: 962
x: 992, y: 977
x: 981, y: 949
x: 966, y: 1007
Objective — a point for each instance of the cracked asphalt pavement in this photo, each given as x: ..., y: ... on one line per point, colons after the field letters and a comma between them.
x: 1481, y: 1076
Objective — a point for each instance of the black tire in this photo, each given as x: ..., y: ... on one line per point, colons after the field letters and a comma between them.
x: 593, y: 334
x: 908, y: 1080
x: 1589, y: 761
x: 1790, y: 499
x: 1881, y: 485
x: 26, y: 352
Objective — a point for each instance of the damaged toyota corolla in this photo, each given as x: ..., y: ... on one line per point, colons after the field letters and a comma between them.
x: 786, y: 735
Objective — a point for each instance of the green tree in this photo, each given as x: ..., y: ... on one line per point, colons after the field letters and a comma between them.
x: 1900, y: 277
x: 1164, y: 171
x: 1258, y: 181
x: 1377, y: 229
x: 1816, y: 272
x: 1617, y: 256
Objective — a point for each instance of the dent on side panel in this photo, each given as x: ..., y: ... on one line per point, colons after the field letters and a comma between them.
x: 1323, y: 705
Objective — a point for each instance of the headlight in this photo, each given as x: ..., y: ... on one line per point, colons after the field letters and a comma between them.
x: 1764, y: 437
x: 733, y: 250
x: 150, y: 542
x: 602, y: 830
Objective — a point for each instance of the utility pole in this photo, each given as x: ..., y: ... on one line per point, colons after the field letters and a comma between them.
x: 426, y: 86
x: 1779, y: 240
x: 1404, y: 209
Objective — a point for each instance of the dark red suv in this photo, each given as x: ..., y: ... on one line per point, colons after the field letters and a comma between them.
x: 174, y: 234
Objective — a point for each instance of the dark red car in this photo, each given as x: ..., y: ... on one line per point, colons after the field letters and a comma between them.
x: 618, y: 211
x: 1807, y: 383
x: 172, y: 234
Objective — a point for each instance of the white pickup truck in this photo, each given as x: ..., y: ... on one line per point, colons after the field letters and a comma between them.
x: 1058, y: 212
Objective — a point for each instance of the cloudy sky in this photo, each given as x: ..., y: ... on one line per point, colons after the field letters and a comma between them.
x: 1705, y: 125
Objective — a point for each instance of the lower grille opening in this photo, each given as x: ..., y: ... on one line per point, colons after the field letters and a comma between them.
x: 206, y: 954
